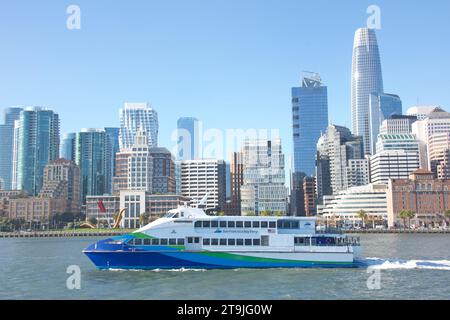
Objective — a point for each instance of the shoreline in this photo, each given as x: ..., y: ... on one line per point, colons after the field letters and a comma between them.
x: 75, y: 234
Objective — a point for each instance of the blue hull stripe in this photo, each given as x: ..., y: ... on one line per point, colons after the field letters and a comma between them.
x: 189, y: 260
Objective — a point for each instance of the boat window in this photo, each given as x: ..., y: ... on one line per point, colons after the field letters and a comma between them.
x: 248, y: 224
x: 230, y: 224
x: 231, y: 242
x: 240, y: 242
x: 206, y: 224
x: 265, y: 241
x: 196, y: 240
x: 223, y: 224
x: 198, y: 224
x: 180, y: 242
x: 172, y: 242
x: 300, y: 241
x: 206, y: 242
x: 155, y: 242
x: 255, y: 224
x: 215, y: 242
x: 256, y: 242
x: 147, y: 242
x: 272, y: 224
x: 223, y: 242
x: 131, y: 242
x: 239, y: 224
x: 288, y: 224
x: 190, y: 240
x: 313, y: 241
x: 138, y: 242
x: 163, y: 242
x: 214, y: 224
x: 248, y: 242
x: 264, y: 224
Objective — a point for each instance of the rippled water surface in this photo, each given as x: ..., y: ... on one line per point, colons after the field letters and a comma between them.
x: 410, y: 266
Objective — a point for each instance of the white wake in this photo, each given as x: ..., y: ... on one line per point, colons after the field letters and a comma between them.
x: 385, y: 264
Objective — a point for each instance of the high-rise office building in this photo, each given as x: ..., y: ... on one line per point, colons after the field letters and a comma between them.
x: 7, y: 146
x: 297, y: 198
x: 439, y: 155
x: 188, y: 139
x: 139, y: 176
x: 382, y: 106
x: 264, y: 187
x: 237, y: 179
x: 334, y: 150
x: 397, y: 125
x: 93, y: 152
x: 163, y: 171
x: 309, y: 119
x: 421, y: 112
x: 67, y: 148
x: 201, y: 177
x: 397, y: 155
x: 436, y: 121
x: 62, y: 181
x: 38, y: 144
x: 134, y: 116
x: 366, y: 80
x: 113, y: 135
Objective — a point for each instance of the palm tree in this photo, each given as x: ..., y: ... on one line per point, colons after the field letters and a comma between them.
x: 407, y: 214
x: 144, y: 219
x: 363, y: 216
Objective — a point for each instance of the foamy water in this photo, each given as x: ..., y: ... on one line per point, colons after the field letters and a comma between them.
x: 384, y: 264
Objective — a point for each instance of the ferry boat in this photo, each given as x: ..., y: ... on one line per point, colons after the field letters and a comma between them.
x: 188, y: 238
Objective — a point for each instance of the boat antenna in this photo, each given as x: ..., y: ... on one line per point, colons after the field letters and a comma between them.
x: 202, y: 202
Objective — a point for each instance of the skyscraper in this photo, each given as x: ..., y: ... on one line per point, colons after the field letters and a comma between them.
x: 134, y: 116
x: 163, y: 171
x: 335, y: 149
x: 38, y: 144
x: 140, y: 164
x: 310, y: 120
x: 93, y: 152
x: 367, y: 79
x: 113, y: 135
x: 6, y: 146
x: 67, y: 148
x: 263, y: 187
x: 188, y: 141
x: 382, y: 106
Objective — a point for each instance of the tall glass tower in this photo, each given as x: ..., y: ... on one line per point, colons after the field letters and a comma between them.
x: 67, y: 148
x: 310, y: 120
x: 38, y: 144
x: 6, y: 146
x: 188, y: 139
x: 135, y: 116
x: 382, y: 107
x: 93, y: 156
x: 367, y: 79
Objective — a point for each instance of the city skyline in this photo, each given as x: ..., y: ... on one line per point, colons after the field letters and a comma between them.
x: 249, y: 91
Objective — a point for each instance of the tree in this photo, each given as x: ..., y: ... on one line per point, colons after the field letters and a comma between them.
x: 407, y: 215
x: 363, y: 216
x: 220, y: 213
x: 144, y: 219
x: 279, y: 214
x: 447, y: 217
x: 266, y: 213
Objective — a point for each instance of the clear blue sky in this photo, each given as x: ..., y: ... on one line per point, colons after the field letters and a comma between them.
x: 230, y: 63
